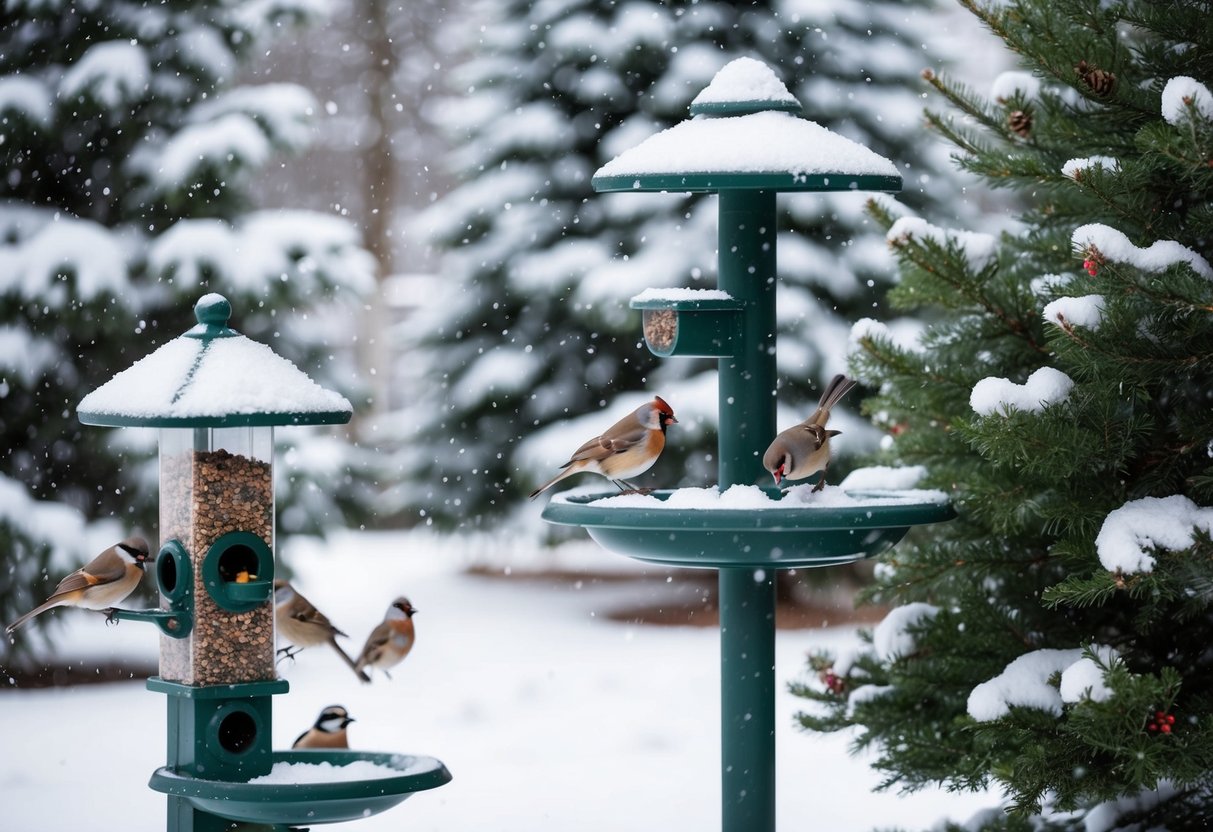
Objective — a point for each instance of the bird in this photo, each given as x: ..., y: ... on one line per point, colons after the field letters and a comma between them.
x: 100, y: 584
x: 627, y: 449
x: 328, y: 730
x: 804, y: 449
x: 391, y: 640
x: 299, y: 622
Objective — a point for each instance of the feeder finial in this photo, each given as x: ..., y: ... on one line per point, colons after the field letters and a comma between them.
x: 213, y: 311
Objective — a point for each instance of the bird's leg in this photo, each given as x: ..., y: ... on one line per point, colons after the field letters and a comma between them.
x: 111, y: 616
x: 289, y: 652
x: 630, y: 488
x: 821, y: 483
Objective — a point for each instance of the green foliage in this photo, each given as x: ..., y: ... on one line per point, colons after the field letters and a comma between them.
x: 126, y: 146
x: 1023, y: 567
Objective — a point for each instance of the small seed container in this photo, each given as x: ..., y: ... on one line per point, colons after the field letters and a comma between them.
x: 688, y: 322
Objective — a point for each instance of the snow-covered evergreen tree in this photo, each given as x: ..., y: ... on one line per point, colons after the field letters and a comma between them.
x: 535, y: 348
x: 1053, y: 640
x: 125, y: 147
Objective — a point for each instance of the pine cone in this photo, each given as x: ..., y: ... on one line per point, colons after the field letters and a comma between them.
x: 1020, y: 122
x: 1100, y: 81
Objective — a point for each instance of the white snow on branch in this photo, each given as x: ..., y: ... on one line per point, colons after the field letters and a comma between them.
x: 892, y: 638
x: 1161, y: 255
x: 83, y: 250
x: 978, y: 249
x: 115, y: 73
x: 1024, y: 683
x: 58, y: 523
x: 1181, y: 91
x: 1166, y: 523
x: 883, y: 478
x: 1085, y: 311
x: 1008, y: 85
x: 903, y: 335
x: 27, y: 96
x: 1085, y: 678
x: 745, y: 79
x: 1043, y: 388
x: 1106, y: 817
x: 1074, y: 168
x: 865, y: 693
x: 24, y: 356
x: 192, y: 247
x: 232, y: 141
x: 283, y: 111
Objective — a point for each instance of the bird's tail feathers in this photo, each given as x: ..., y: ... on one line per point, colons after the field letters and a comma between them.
x: 838, y: 387
x: 567, y: 472
x: 358, y: 671
x: 36, y: 611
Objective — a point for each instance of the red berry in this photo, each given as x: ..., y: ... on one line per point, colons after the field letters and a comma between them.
x: 1166, y: 729
x: 1170, y: 720
x: 1152, y: 727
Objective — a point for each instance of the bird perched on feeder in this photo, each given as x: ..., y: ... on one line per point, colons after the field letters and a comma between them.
x: 804, y: 449
x: 627, y: 449
x: 299, y: 622
x: 391, y: 640
x: 328, y: 730
x: 100, y: 584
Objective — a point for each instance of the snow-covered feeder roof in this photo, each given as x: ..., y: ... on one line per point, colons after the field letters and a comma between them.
x: 212, y: 376
x: 744, y: 134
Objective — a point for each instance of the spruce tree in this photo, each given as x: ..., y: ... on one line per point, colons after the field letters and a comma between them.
x: 1052, y: 640
x: 535, y: 348
x: 127, y: 150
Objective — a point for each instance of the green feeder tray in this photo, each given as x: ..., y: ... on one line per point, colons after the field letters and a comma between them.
x: 793, y: 537
x: 296, y: 804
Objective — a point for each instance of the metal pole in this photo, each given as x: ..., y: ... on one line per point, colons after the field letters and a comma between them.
x: 747, y: 597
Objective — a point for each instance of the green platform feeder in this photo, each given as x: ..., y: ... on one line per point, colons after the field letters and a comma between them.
x: 745, y: 142
x: 215, y: 396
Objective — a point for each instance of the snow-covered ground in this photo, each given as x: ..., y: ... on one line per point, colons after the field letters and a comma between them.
x: 548, y: 715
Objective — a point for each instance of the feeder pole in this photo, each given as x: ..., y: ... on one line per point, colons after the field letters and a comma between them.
x: 746, y: 259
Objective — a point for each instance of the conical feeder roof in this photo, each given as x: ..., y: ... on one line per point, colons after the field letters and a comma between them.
x: 744, y: 134
x: 212, y: 376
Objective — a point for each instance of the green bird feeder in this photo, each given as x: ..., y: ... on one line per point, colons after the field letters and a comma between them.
x: 215, y: 397
x: 745, y: 142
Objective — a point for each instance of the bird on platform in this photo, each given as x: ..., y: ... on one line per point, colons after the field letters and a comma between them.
x: 627, y: 449
x: 100, y: 584
x: 328, y: 730
x: 803, y: 450
x: 299, y: 622
x: 391, y: 640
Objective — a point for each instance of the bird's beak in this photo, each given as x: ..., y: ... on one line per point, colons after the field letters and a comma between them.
x: 776, y: 474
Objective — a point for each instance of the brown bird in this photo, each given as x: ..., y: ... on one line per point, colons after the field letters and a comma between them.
x: 299, y: 622
x: 100, y: 584
x: 328, y: 731
x: 803, y: 450
x: 391, y: 640
x: 627, y: 449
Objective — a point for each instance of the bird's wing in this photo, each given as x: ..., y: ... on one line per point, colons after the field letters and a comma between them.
x: 83, y: 580
x: 375, y: 642
x: 612, y: 442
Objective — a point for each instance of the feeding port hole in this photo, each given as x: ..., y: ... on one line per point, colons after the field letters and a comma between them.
x: 237, y: 732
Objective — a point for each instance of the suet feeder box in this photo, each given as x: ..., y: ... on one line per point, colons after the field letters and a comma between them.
x: 216, y: 396
x: 745, y: 142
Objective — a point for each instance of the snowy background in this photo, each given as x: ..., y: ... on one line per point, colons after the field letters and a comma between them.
x: 548, y: 714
